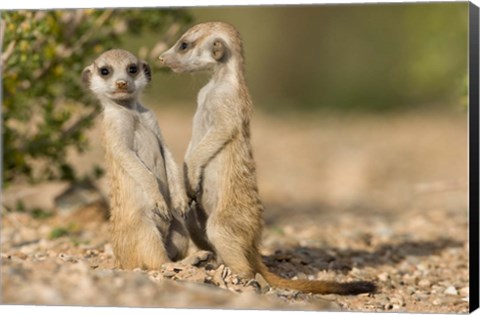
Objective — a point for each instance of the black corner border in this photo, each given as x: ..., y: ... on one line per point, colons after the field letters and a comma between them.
x: 474, y: 158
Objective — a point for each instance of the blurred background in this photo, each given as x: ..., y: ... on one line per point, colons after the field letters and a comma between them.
x: 368, y: 58
x: 339, y: 60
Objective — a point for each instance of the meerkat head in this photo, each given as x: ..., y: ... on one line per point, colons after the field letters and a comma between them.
x: 117, y: 75
x: 203, y: 47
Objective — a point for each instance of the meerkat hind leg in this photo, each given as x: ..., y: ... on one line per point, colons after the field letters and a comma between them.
x: 196, y: 222
x: 230, y: 250
x: 142, y: 247
x: 177, y: 242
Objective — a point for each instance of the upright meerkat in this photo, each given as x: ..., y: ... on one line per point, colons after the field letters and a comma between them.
x: 219, y: 166
x: 145, y: 185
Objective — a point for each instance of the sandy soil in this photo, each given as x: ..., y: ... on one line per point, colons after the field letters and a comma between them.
x: 373, y: 198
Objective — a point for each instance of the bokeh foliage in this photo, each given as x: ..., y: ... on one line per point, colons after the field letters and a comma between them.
x: 46, y: 110
x: 365, y: 58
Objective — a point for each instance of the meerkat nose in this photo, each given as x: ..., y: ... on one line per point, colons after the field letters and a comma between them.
x: 162, y: 60
x: 121, y: 84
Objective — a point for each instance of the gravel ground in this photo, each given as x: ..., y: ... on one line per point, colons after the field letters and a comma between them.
x: 380, y: 199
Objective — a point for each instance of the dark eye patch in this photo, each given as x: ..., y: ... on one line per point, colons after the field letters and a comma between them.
x: 105, y: 71
x: 184, y: 46
x: 132, y: 69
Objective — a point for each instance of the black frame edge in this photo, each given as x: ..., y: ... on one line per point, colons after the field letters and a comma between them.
x: 474, y: 155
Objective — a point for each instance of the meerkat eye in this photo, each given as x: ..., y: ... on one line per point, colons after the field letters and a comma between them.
x: 183, y: 46
x: 132, y: 69
x: 104, y: 71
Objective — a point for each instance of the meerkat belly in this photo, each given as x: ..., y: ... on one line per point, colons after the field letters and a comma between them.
x: 127, y: 199
x: 213, y: 182
x: 201, y: 121
x: 149, y: 151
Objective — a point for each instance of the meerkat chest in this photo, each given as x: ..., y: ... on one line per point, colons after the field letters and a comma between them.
x: 203, y: 116
x: 201, y: 121
x: 147, y: 145
x: 210, y: 98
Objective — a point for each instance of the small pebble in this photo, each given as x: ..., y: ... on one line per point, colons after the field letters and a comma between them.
x: 66, y: 258
x: 397, y: 300
x: 451, y: 290
x: 464, y: 291
x: 411, y: 290
x: 410, y: 279
x: 420, y: 296
x: 396, y: 307
x: 108, y: 249
x: 255, y: 285
x: 437, y: 302
x: 236, y: 280
x: 261, y: 281
x: 383, y: 276
x: 169, y: 273
x: 422, y: 267
x: 424, y: 283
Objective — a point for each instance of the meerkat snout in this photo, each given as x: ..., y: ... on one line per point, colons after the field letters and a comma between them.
x: 203, y: 47
x: 121, y: 84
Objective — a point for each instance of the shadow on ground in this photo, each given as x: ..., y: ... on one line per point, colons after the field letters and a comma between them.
x: 343, y: 260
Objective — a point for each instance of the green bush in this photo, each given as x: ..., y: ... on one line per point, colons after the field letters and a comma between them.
x: 45, y: 108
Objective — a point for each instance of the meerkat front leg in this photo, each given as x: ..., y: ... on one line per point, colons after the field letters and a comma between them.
x: 217, y: 136
x: 121, y: 142
x: 178, y: 194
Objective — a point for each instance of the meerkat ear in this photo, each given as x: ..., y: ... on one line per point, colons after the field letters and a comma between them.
x: 147, y: 70
x: 86, y: 76
x: 219, y: 49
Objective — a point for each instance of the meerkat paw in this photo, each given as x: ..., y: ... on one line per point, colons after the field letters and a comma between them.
x: 162, y: 213
x: 192, y: 180
x: 200, y: 258
x: 181, y: 207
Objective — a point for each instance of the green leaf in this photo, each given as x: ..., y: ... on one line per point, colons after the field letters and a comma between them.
x: 58, y: 232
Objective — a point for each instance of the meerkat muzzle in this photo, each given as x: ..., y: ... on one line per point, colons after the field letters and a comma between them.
x: 121, y: 84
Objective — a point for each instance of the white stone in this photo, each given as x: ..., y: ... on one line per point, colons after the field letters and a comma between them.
x: 383, y: 276
x: 451, y: 290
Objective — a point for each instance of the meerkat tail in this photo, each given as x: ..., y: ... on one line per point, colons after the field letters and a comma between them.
x: 316, y: 286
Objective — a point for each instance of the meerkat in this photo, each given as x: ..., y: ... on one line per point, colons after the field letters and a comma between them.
x: 146, y: 190
x: 219, y: 168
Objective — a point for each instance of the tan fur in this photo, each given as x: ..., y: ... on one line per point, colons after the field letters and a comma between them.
x: 145, y: 188
x: 219, y: 165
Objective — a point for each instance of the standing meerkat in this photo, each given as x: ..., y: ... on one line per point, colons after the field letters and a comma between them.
x: 145, y: 185
x: 219, y: 166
